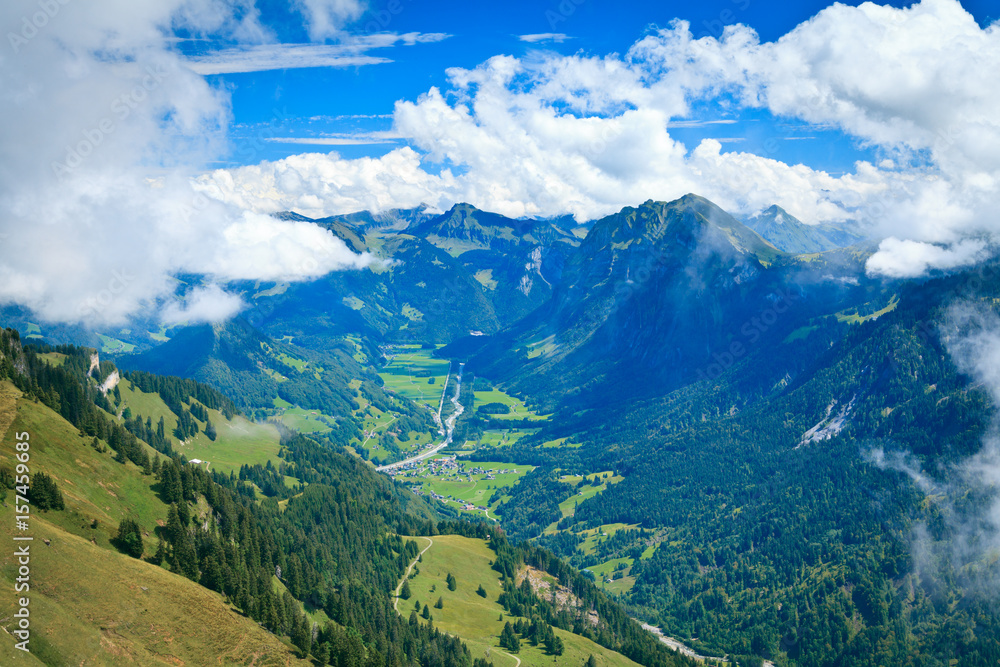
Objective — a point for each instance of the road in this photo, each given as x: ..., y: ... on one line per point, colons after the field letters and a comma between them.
x: 449, y: 427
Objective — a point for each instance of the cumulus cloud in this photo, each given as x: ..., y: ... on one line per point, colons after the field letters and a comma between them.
x: 103, y: 126
x: 203, y: 304
x: 903, y: 258
x: 550, y: 134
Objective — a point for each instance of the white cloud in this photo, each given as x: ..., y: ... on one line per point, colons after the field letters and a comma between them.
x: 266, y: 57
x: 700, y: 123
x: 542, y: 37
x: 550, y: 134
x: 349, y: 52
x: 326, y: 18
x: 202, y: 304
x: 359, y: 139
x: 258, y: 247
x: 908, y: 259
x: 102, y: 126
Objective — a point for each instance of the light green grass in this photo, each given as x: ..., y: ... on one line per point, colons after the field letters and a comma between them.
x: 109, y: 344
x: 409, y: 372
x: 305, y: 421
x: 454, y: 247
x: 485, y: 278
x: 503, y: 438
x: 595, y: 535
x: 54, y: 358
x: 860, y: 319
x: 92, y: 606
x: 518, y: 410
x: 353, y: 302
x: 411, y: 313
x: 471, y: 488
x: 586, y: 493
x: 237, y: 442
x: 92, y: 484
x: 476, y: 619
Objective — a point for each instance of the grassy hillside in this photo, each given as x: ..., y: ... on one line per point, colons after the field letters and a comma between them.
x: 90, y: 604
x: 93, y: 606
x: 93, y: 485
x: 238, y: 440
x: 476, y: 619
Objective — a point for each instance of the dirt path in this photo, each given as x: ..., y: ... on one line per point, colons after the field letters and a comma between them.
x: 430, y: 543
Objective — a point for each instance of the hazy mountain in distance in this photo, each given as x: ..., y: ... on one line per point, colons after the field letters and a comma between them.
x: 788, y: 233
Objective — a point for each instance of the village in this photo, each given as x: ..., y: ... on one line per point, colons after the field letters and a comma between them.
x: 465, y: 484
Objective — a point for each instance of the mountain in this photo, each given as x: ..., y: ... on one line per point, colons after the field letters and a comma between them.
x: 396, y: 219
x: 648, y: 300
x: 765, y: 506
x: 791, y: 235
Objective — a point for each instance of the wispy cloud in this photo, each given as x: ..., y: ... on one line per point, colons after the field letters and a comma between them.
x: 699, y: 123
x: 279, y: 56
x: 543, y: 37
x: 360, y: 139
x: 265, y: 57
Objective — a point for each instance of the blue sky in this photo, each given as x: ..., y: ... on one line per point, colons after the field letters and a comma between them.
x: 124, y: 136
x: 357, y: 100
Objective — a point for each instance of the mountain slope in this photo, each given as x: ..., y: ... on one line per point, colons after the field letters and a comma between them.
x: 791, y: 235
x: 777, y: 513
x: 651, y: 295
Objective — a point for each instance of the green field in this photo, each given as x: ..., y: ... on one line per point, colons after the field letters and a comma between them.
x: 461, y: 486
x: 477, y: 620
x: 499, y: 437
x: 109, y: 344
x: 586, y: 493
x: 409, y: 371
x: 518, y: 410
x: 238, y: 441
x: 305, y: 421
x: 90, y: 604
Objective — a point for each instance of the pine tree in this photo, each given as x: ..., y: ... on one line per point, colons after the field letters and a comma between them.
x: 174, y: 529
x: 404, y: 592
x: 591, y: 661
x: 301, y: 633
x: 452, y: 583
x: 426, y: 613
x: 481, y: 592
x: 439, y: 604
x: 129, y: 538
x: 509, y: 640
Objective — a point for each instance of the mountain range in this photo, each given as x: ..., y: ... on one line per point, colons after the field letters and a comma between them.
x: 726, y: 429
